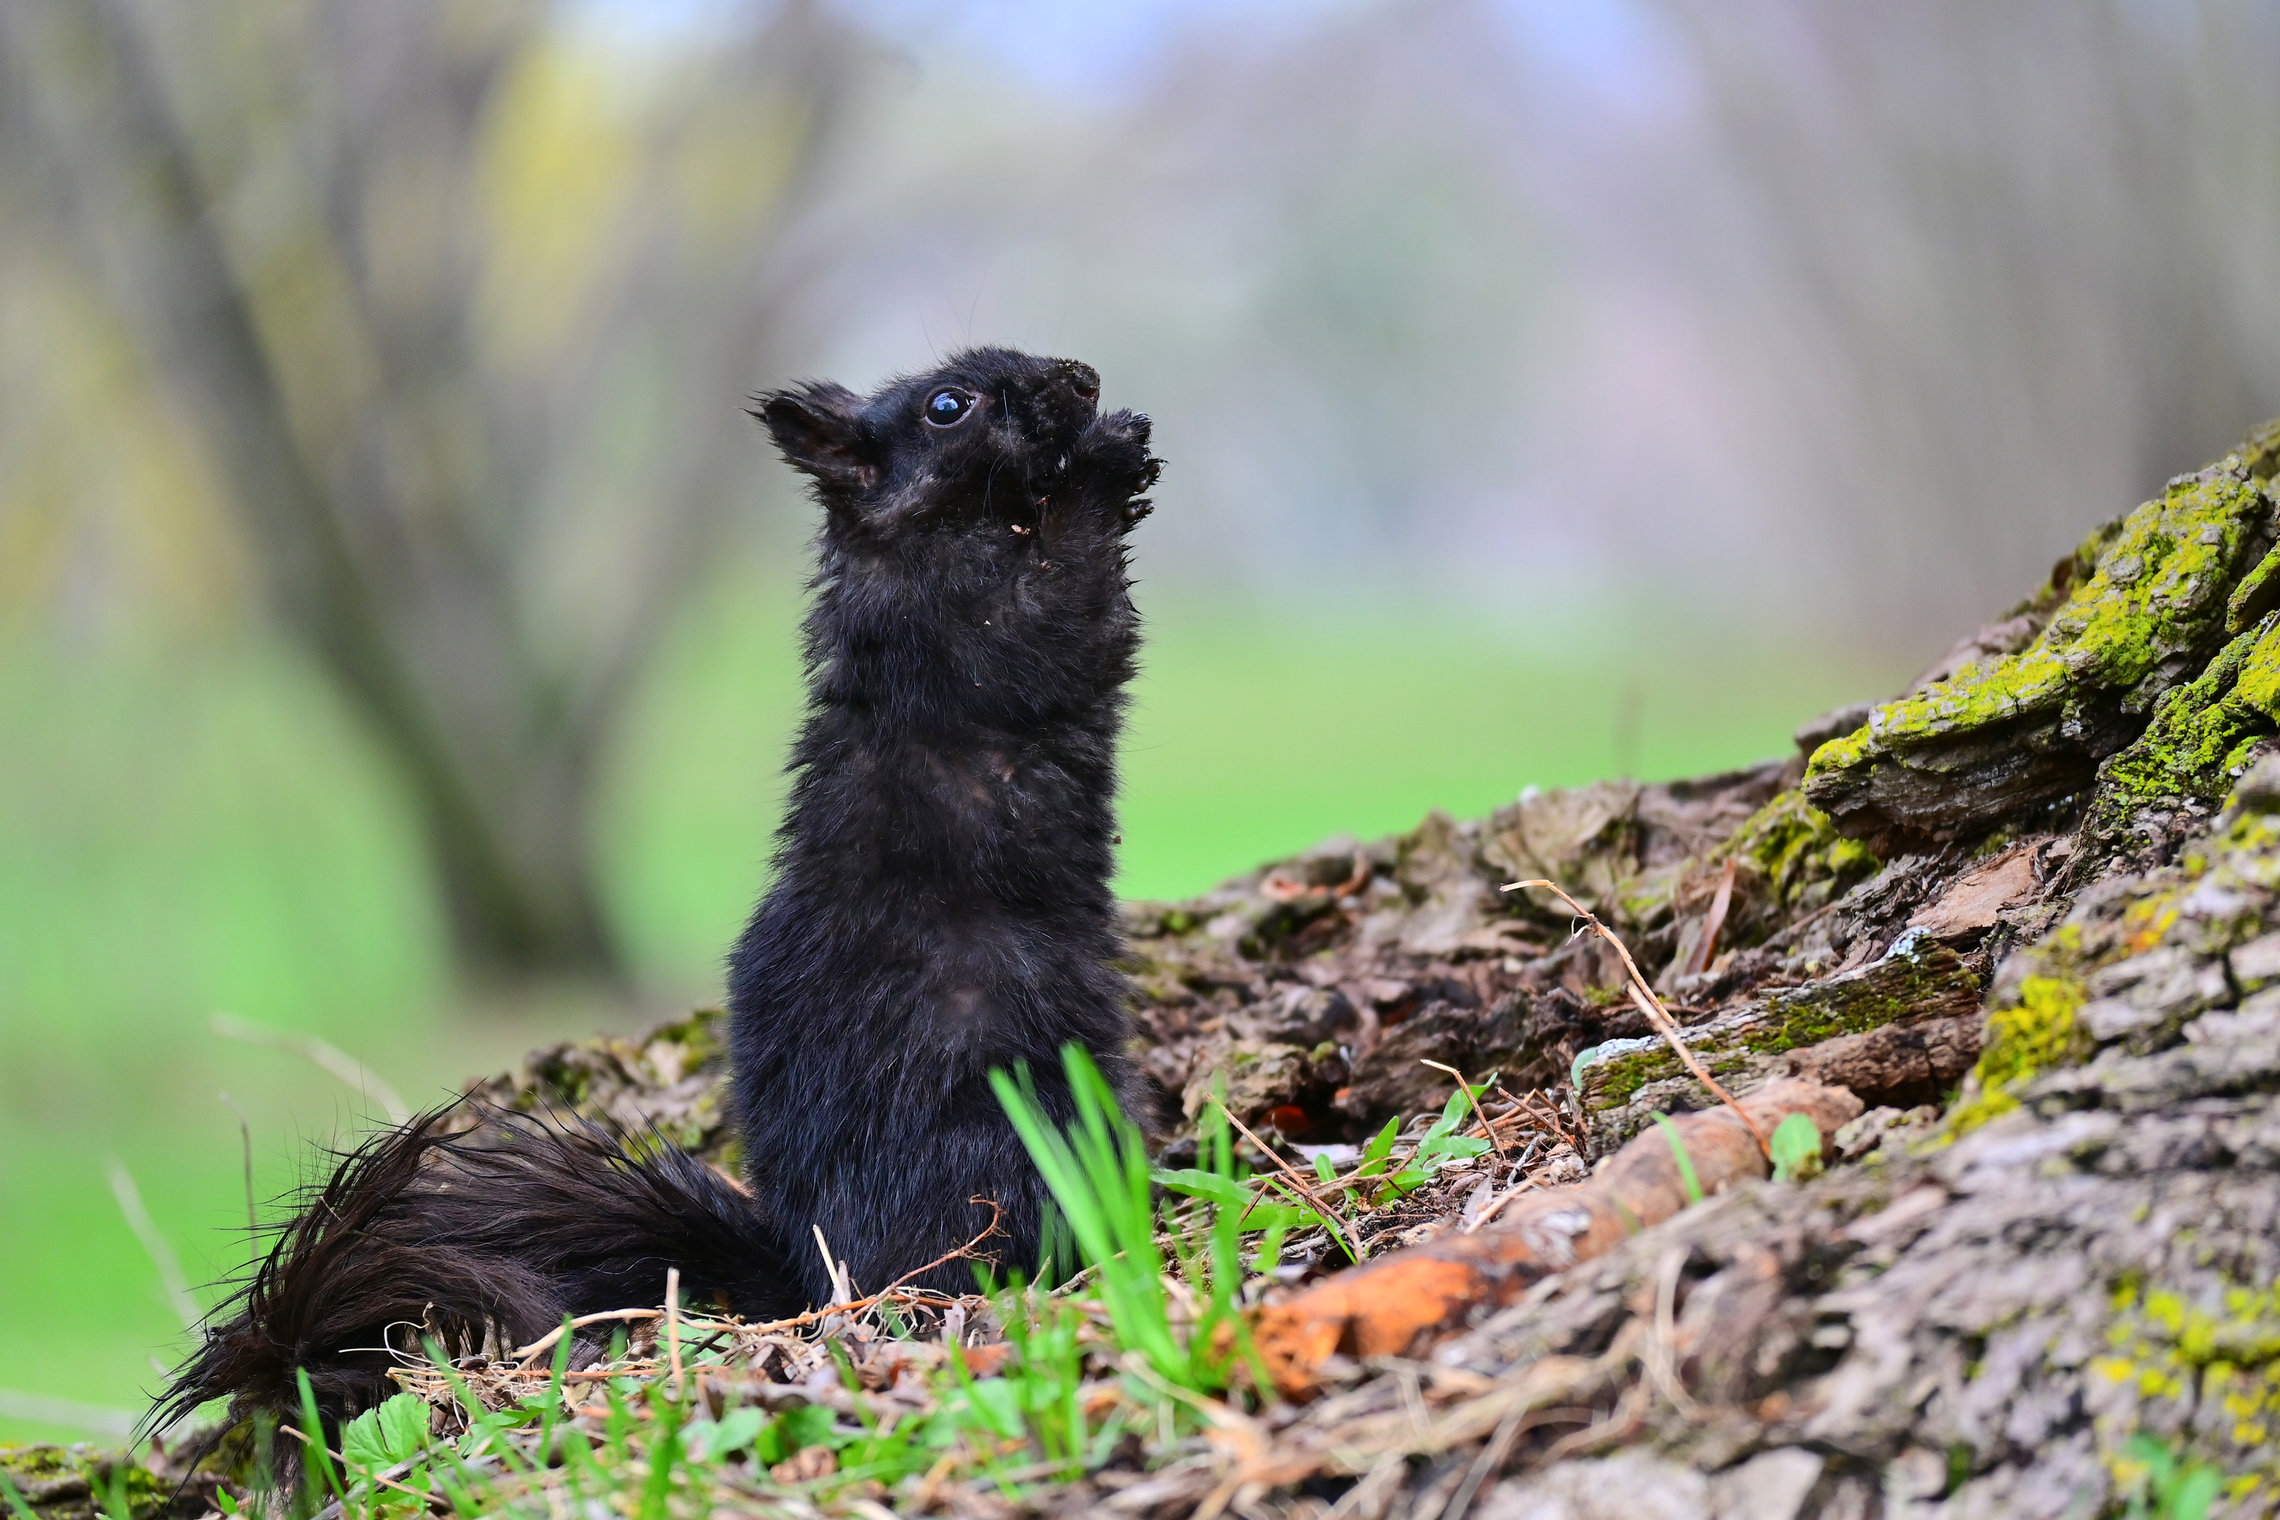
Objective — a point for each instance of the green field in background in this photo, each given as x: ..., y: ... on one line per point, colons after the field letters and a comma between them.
x: 190, y: 831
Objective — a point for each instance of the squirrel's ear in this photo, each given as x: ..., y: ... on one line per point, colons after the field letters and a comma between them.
x: 819, y: 430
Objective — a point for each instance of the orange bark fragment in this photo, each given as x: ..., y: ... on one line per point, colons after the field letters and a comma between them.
x: 1398, y: 1303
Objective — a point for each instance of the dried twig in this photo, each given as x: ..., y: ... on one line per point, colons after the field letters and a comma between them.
x: 1496, y: 1204
x: 326, y: 1056
x: 673, y: 1327
x: 546, y: 1341
x: 1549, y: 1121
x: 1298, y: 1185
x: 1667, y: 1027
x: 1644, y: 997
x: 1660, y: 1358
x: 245, y: 1150
x: 894, y: 1292
x: 161, y: 1252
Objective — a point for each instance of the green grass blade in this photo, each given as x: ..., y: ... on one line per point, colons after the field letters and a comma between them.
x: 1685, y: 1162
x: 314, y: 1456
x: 16, y: 1503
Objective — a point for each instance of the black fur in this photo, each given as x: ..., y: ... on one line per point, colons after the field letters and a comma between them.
x: 941, y: 907
x: 484, y: 1236
x: 941, y: 903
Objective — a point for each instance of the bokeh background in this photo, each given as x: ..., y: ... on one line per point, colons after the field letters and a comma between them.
x: 396, y: 610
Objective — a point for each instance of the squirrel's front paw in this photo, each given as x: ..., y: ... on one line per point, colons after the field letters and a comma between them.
x: 1113, y: 457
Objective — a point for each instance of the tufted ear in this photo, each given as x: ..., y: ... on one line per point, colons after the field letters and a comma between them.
x: 819, y: 430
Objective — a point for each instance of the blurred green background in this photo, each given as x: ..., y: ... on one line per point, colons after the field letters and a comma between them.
x: 398, y: 617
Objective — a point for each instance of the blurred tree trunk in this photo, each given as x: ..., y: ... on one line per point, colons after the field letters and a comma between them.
x: 299, y: 215
x: 1961, y: 233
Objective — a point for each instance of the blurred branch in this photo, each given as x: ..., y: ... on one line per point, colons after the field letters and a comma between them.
x: 769, y: 279
x: 96, y: 1419
x: 305, y: 248
x: 323, y: 1054
x: 154, y: 1243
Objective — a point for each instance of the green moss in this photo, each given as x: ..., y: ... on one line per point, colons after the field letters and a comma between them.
x: 2158, y: 582
x: 2029, y: 684
x: 2201, y: 733
x: 2022, y: 1042
x: 1796, y: 850
x: 700, y: 1036
x: 1618, y: 1078
x: 1897, y: 988
x: 1607, y: 995
x: 2257, y: 594
x: 2261, y: 453
x: 2248, y: 851
x: 82, y: 1482
x: 1643, y: 902
x: 1842, y: 753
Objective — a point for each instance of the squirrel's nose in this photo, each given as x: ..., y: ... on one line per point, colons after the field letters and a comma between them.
x: 1081, y: 378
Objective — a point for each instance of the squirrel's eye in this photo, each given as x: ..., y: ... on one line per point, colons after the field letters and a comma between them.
x: 946, y: 407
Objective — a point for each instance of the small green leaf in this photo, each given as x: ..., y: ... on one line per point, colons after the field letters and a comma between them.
x: 1270, y: 1248
x: 361, y: 1444
x: 2196, y: 1493
x: 810, y: 1426
x: 1323, y: 1169
x: 1373, y: 1158
x: 1452, y: 1148
x: 403, y: 1426
x: 1796, y: 1147
x: 708, y: 1440
x: 999, y: 1404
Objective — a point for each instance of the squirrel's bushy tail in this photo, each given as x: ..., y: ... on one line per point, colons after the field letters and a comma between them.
x: 473, y: 1236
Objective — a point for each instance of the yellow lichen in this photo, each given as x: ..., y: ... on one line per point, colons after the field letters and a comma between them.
x: 2226, y: 1359
x: 1796, y: 850
x: 2022, y: 1042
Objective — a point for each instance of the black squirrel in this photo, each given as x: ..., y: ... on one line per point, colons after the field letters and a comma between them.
x: 940, y: 907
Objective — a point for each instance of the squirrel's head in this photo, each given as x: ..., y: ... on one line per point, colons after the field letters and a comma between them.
x: 990, y: 442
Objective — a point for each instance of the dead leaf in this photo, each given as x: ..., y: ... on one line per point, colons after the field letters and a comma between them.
x: 1977, y: 898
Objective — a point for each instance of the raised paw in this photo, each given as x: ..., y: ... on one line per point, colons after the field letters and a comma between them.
x: 1112, y: 457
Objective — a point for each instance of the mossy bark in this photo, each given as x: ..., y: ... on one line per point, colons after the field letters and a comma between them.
x: 1995, y: 739
x: 89, y: 1483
